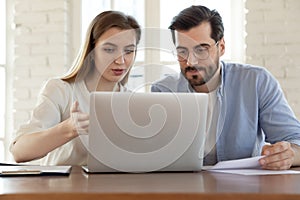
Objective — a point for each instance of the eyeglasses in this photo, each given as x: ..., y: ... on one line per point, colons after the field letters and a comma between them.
x: 199, y: 51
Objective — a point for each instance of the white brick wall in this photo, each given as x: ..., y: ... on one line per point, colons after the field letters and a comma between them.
x: 273, y: 41
x: 40, y: 50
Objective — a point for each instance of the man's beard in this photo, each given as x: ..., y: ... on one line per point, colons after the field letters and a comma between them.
x: 198, y: 79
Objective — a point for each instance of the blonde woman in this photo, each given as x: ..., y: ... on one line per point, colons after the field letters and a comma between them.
x: 61, y: 114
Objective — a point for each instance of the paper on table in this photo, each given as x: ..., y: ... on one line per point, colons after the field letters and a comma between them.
x: 34, y: 170
x: 256, y: 171
x: 247, y: 166
x: 245, y: 163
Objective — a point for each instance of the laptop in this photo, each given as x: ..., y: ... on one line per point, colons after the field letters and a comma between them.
x: 146, y: 132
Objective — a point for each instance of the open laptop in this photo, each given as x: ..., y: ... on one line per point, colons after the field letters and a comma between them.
x: 146, y: 132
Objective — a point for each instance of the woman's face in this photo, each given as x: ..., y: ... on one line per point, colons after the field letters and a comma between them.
x: 114, y: 53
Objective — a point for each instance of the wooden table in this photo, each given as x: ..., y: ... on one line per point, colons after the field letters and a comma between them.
x: 173, y: 186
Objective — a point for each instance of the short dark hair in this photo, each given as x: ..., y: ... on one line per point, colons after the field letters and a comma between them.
x: 194, y: 16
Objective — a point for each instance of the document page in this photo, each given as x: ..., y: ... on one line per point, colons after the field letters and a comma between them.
x: 246, y: 166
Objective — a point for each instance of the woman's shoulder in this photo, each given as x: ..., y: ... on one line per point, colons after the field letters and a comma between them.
x: 56, y: 90
x: 57, y: 83
x: 54, y: 85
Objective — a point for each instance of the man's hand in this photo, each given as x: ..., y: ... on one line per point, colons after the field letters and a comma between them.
x: 278, y: 156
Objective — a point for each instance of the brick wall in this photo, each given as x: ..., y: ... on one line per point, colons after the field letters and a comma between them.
x: 273, y: 41
x: 41, y: 49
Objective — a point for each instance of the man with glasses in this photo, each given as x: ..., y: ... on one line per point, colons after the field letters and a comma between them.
x: 248, y: 114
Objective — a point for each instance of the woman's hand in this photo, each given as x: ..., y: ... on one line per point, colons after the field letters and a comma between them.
x: 80, y: 121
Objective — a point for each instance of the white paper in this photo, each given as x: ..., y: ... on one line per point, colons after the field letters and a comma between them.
x: 245, y: 163
x: 256, y: 171
x: 246, y: 166
x: 34, y: 169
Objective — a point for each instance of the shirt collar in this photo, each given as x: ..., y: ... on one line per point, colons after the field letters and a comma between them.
x: 221, y: 87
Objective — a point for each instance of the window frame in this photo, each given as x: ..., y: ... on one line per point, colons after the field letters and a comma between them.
x: 9, y: 110
x: 152, y: 19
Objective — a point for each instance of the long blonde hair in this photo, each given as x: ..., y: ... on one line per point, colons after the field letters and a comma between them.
x: 100, y: 24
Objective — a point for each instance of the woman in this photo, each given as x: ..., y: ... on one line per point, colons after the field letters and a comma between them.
x: 61, y: 115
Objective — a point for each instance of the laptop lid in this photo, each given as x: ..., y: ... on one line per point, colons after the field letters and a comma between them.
x: 146, y: 132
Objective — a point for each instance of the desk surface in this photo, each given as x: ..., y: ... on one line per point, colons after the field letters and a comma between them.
x: 200, y: 185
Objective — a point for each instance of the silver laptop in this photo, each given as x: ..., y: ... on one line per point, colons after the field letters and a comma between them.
x: 146, y: 132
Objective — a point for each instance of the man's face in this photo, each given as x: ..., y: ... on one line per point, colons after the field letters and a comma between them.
x: 198, y: 54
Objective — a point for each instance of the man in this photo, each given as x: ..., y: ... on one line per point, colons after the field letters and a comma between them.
x: 246, y: 104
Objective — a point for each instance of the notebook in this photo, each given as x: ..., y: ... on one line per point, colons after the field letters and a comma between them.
x: 146, y: 132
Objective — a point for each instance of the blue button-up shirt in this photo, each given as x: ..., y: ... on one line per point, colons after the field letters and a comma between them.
x: 253, y: 110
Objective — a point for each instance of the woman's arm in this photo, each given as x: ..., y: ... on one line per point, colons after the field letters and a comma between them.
x: 37, y: 145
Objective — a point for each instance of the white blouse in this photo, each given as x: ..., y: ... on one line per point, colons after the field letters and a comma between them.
x: 53, y: 107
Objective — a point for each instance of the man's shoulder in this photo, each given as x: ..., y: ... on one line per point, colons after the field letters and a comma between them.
x: 230, y: 66
x: 243, y: 70
x: 172, y: 78
x: 170, y: 83
x: 244, y: 75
